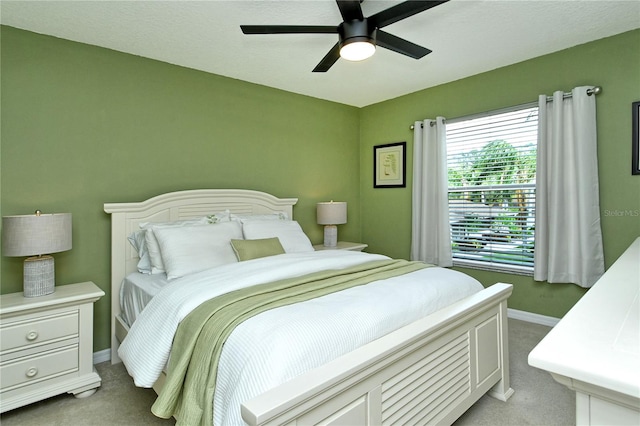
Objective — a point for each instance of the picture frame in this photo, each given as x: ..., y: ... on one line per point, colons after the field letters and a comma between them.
x: 389, y: 165
x: 635, y: 138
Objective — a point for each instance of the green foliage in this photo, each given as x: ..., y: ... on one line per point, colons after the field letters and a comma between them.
x: 497, y: 163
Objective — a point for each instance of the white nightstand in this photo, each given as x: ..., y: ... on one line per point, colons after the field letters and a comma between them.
x: 342, y: 245
x: 46, y: 345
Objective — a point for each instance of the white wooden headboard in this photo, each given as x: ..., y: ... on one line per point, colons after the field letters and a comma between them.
x: 180, y: 205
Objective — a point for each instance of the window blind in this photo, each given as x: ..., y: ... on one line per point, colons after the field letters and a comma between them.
x: 491, y: 164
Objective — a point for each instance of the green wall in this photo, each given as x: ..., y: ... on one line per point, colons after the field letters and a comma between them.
x: 613, y: 63
x: 82, y: 126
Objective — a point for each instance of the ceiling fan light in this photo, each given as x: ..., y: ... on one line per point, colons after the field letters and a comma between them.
x: 357, y: 50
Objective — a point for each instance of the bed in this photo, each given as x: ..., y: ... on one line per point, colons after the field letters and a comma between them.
x: 427, y: 371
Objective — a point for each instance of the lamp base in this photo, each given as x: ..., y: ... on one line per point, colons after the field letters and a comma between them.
x: 39, y: 276
x: 330, y: 235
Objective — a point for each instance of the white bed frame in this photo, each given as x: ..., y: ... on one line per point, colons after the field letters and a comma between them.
x: 428, y: 372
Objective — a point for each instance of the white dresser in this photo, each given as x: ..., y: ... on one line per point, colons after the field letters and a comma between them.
x: 595, y: 349
x: 46, y: 345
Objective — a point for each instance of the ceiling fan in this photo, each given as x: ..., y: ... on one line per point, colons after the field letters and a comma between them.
x: 357, y: 35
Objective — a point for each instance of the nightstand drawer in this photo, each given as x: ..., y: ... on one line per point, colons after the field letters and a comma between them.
x: 39, y: 367
x: 38, y: 330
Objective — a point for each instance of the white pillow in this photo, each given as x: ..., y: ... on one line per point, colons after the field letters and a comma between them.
x: 155, y: 258
x: 137, y: 240
x: 190, y: 249
x: 289, y: 232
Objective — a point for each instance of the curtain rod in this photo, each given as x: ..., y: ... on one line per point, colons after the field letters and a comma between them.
x: 595, y: 90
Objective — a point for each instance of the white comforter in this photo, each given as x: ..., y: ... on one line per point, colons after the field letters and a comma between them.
x: 277, y: 345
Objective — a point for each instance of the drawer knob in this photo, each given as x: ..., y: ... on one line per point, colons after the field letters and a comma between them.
x: 32, y: 335
x: 32, y: 372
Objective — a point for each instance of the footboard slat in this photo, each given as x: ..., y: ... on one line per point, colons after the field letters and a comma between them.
x: 430, y: 371
x: 430, y: 403
x: 431, y: 413
x: 401, y: 380
x: 424, y: 379
x: 427, y: 383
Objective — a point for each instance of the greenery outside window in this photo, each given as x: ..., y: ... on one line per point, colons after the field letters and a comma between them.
x: 491, y: 162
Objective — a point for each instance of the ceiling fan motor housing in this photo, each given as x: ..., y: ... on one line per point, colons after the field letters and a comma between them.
x: 356, y: 30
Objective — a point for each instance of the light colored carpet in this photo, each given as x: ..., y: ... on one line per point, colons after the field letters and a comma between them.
x: 117, y: 402
x: 538, y: 399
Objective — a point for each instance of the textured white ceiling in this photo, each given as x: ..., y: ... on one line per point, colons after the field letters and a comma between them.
x: 467, y: 37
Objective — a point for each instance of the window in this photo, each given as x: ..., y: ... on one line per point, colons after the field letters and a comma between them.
x: 491, y: 164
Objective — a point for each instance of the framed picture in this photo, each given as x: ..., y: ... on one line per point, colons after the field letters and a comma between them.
x: 635, y: 141
x: 389, y: 165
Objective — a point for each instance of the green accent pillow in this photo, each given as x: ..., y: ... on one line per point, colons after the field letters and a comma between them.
x: 253, y: 249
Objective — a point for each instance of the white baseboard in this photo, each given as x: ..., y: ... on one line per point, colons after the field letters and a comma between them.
x: 102, y: 356
x: 531, y: 317
x: 105, y: 354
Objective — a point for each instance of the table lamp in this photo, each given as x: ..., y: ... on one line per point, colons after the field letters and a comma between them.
x: 37, y: 235
x: 331, y: 214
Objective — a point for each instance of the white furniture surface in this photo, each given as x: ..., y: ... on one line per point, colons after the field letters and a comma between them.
x: 595, y: 349
x: 429, y: 371
x: 46, y: 345
x: 342, y: 245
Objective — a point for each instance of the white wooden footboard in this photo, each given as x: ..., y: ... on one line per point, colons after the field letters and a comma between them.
x: 429, y: 372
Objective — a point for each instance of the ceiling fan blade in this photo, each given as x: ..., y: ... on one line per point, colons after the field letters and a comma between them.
x: 401, y: 11
x: 329, y: 59
x: 288, y: 29
x: 400, y: 45
x: 350, y: 9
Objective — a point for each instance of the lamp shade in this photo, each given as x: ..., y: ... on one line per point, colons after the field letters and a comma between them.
x: 36, y: 234
x: 332, y: 213
x: 357, y: 50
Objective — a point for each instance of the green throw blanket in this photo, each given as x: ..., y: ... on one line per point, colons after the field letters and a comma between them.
x: 191, y: 375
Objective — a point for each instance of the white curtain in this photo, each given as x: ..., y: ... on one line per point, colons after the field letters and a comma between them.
x: 430, y: 231
x: 568, y: 235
